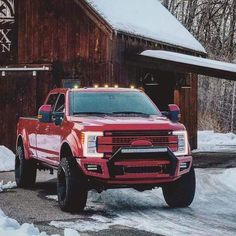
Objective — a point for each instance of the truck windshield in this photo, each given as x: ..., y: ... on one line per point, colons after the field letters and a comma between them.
x: 111, y: 103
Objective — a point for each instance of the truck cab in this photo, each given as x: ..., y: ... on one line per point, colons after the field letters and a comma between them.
x: 102, y: 138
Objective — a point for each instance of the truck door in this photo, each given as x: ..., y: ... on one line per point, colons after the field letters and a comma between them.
x: 43, y: 137
x: 56, y: 128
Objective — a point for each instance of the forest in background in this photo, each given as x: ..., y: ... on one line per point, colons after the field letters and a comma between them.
x: 213, y: 23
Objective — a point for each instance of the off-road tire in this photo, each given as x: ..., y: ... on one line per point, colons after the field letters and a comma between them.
x: 25, y: 170
x: 181, y: 193
x: 71, y: 186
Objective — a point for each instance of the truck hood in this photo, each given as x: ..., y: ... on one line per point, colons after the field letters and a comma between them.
x: 124, y: 123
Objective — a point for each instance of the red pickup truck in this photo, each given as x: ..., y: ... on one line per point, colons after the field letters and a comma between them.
x: 101, y: 138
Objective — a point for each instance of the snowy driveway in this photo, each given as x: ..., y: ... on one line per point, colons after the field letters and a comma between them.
x: 129, y: 212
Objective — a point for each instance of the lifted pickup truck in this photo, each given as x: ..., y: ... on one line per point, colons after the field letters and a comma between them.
x: 101, y: 138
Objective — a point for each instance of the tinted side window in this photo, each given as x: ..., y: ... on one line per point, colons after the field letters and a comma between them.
x: 60, y: 106
x: 52, y: 100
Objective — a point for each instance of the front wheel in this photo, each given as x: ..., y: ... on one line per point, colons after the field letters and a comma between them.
x: 181, y: 192
x: 71, y: 186
x: 25, y: 170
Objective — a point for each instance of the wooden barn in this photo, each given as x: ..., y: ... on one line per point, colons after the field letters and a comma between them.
x: 52, y: 43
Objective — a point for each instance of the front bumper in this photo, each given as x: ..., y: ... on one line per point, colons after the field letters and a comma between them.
x: 137, y: 166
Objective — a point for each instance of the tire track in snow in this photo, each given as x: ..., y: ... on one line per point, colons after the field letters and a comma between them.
x: 212, y: 212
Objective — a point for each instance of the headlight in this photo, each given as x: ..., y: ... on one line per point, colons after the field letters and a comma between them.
x: 89, y: 141
x: 182, y: 143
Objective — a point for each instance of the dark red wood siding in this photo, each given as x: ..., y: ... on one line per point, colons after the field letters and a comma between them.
x: 66, y: 34
x: 21, y: 95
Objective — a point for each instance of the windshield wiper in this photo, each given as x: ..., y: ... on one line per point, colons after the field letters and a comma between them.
x: 90, y: 113
x: 129, y: 113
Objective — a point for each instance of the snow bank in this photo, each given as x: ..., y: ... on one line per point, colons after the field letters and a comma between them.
x: 209, y: 141
x: 7, y: 159
x: 70, y: 232
x: 212, y: 212
x: 94, y: 224
x: 52, y: 197
x: 148, y: 18
x: 9, y: 185
x: 10, y: 227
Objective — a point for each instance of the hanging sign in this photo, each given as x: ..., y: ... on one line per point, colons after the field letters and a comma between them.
x: 8, y: 31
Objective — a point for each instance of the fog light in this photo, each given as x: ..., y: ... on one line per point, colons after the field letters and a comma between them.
x: 184, y: 166
x: 94, y: 168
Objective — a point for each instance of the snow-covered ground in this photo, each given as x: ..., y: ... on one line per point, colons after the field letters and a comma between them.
x: 7, y: 159
x: 10, y: 227
x: 209, y: 141
x: 212, y: 212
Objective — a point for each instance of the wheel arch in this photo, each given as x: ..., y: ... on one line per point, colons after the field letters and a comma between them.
x: 72, y: 143
x: 21, y: 141
x: 66, y: 150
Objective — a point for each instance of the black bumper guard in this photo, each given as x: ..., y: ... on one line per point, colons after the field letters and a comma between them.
x: 131, y: 153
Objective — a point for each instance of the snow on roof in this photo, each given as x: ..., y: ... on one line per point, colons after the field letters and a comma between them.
x: 146, y: 18
x: 191, y: 60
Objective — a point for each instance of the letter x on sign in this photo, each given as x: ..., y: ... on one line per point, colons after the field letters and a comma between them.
x: 3, y: 36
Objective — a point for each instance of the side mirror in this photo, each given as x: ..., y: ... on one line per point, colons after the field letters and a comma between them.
x: 174, y: 113
x: 45, y: 114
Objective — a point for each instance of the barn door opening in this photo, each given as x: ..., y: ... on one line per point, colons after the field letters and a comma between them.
x: 22, y: 92
x: 18, y: 97
x: 159, y: 86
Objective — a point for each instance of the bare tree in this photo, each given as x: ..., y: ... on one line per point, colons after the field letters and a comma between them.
x: 213, y: 23
x: 232, y: 30
x: 166, y: 3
